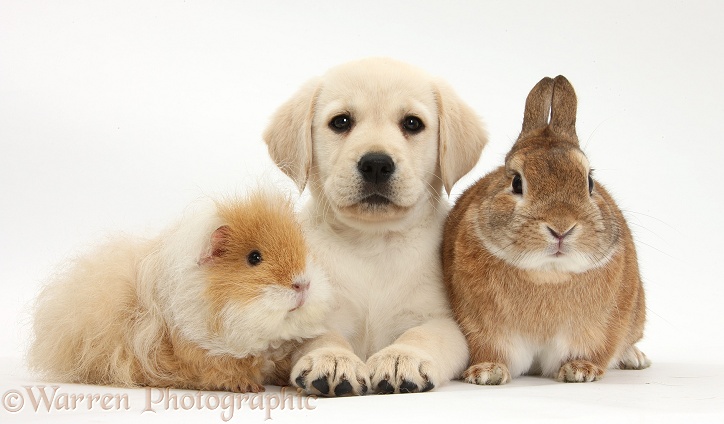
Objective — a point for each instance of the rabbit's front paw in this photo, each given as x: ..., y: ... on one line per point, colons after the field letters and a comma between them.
x: 580, y: 371
x: 487, y: 373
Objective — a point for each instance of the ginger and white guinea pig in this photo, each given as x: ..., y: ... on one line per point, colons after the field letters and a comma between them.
x: 538, y: 261
x: 216, y: 302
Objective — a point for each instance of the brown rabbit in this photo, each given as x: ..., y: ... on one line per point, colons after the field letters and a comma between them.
x: 538, y: 260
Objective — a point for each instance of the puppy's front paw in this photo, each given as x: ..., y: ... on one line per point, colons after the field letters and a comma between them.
x: 633, y: 359
x: 331, y: 372
x: 487, y: 374
x: 401, y: 369
x: 580, y: 371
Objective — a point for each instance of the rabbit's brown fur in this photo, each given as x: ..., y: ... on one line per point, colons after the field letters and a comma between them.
x: 545, y: 280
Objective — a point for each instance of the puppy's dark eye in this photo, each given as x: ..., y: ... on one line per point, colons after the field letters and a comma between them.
x: 590, y: 184
x: 412, y: 124
x: 340, y: 123
x: 517, y: 184
x: 254, y: 258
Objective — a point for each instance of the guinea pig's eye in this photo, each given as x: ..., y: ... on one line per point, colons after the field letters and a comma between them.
x: 341, y: 123
x: 254, y: 258
x: 590, y: 184
x: 517, y: 184
x: 412, y: 124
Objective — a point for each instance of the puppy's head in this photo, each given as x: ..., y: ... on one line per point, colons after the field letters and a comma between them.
x: 375, y: 139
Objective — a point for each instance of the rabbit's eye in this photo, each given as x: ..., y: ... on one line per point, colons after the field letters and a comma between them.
x: 254, y: 258
x: 517, y: 184
x: 590, y: 184
x: 341, y: 123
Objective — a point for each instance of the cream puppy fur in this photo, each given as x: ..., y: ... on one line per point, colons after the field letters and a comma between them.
x: 376, y: 141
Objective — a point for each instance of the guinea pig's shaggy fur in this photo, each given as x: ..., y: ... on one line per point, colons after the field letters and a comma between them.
x: 215, y: 302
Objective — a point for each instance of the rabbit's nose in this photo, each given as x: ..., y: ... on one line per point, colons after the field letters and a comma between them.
x: 560, y: 235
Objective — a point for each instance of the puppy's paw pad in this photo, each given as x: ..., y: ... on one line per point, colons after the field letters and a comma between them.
x: 487, y: 374
x: 633, y: 359
x: 384, y: 387
x: 408, y: 387
x: 399, y: 369
x: 301, y: 380
x: 580, y: 371
x: 321, y: 384
x: 331, y: 372
x: 344, y: 388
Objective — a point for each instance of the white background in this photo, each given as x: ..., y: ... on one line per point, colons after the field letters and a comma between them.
x: 115, y: 115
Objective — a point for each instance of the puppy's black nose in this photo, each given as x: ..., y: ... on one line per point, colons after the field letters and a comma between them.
x: 376, y: 167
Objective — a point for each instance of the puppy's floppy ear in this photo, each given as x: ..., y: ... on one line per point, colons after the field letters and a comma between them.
x: 462, y: 136
x: 289, y: 135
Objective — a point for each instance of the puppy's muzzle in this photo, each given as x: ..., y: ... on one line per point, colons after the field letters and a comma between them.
x: 376, y: 168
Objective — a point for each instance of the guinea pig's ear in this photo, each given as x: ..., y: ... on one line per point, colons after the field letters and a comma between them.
x: 462, y: 136
x: 217, y: 245
x: 289, y: 135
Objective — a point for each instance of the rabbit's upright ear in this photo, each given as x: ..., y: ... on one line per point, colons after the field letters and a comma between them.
x: 551, y: 104
x: 537, y: 107
x: 289, y: 135
x: 563, y: 108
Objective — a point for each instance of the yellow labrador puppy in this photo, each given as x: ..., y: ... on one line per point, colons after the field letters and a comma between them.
x: 376, y: 141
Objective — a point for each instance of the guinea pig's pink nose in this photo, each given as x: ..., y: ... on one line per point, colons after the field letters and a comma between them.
x: 300, y: 286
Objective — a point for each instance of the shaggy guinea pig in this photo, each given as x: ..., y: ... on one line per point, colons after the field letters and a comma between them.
x: 216, y: 302
x: 538, y: 260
